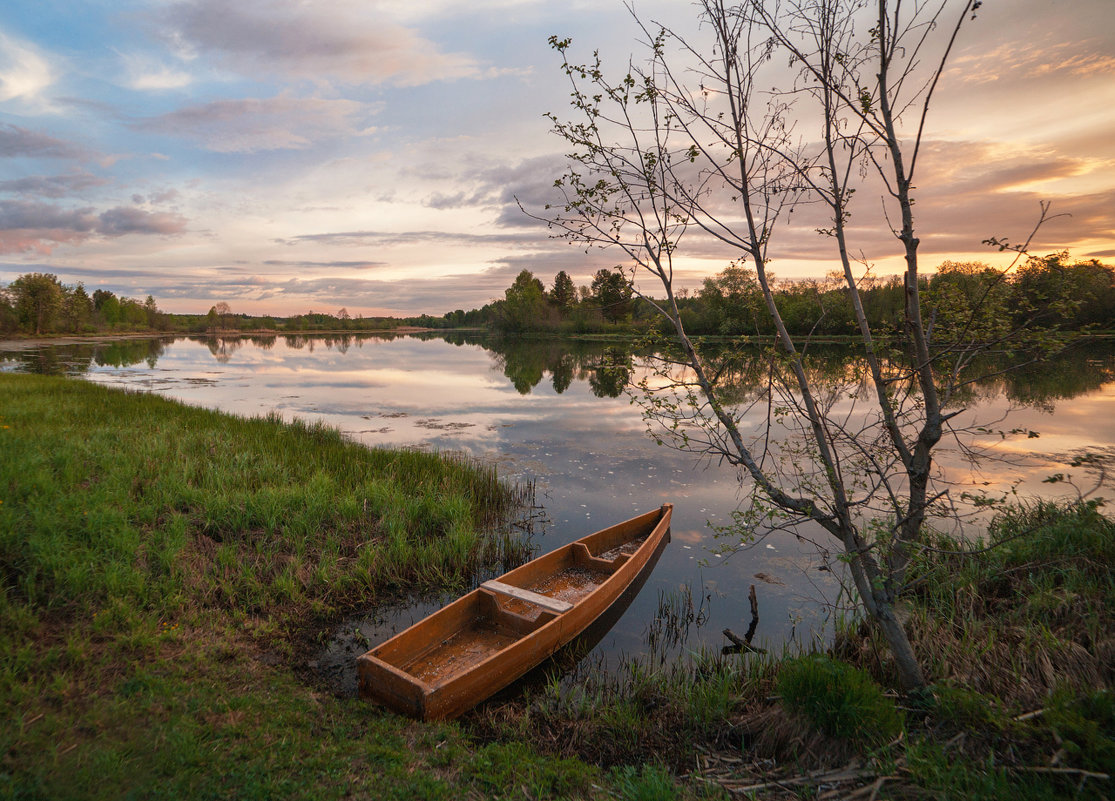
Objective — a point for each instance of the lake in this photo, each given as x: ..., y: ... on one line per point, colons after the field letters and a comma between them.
x: 558, y: 413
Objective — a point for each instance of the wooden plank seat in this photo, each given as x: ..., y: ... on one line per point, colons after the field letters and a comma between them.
x: 584, y: 558
x: 544, y: 601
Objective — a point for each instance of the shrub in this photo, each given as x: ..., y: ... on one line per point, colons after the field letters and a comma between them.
x: 838, y: 699
x: 650, y: 783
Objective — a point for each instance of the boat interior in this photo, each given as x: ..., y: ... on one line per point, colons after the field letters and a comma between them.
x: 501, y: 612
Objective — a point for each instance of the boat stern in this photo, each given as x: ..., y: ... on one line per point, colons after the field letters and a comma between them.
x: 399, y: 691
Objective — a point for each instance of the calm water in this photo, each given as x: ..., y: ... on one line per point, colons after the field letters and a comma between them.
x: 556, y: 412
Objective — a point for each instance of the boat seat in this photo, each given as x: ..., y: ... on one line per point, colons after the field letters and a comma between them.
x: 545, y: 601
x: 583, y: 557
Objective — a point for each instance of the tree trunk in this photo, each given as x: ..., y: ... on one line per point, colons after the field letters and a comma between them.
x: 909, y: 671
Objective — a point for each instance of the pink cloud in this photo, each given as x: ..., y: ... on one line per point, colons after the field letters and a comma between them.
x: 253, y: 125
x: 30, y: 227
x: 353, y: 43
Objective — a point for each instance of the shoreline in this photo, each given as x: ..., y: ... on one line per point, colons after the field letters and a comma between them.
x: 30, y: 343
x: 15, y: 345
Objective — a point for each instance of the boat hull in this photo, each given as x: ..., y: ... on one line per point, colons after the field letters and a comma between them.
x: 485, y: 640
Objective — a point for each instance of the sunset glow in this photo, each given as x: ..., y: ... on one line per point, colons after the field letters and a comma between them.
x: 289, y: 157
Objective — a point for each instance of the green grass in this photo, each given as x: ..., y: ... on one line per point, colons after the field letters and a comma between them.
x: 161, y: 565
x: 1017, y: 642
x: 1028, y: 617
x: 113, y: 498
x: 839, y: 699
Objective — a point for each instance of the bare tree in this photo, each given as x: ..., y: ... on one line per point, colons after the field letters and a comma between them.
x: 691, y: 144
x: 223, y: 312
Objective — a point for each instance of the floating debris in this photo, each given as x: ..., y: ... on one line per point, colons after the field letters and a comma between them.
x: 434, y: 424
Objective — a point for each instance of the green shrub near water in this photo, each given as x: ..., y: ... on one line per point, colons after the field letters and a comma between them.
x: 840, y: 700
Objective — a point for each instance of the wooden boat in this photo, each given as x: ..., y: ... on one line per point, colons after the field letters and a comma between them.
x: 477, y: 645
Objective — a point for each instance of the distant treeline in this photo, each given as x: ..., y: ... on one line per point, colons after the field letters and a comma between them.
x: 961, y: 301
x: 38, y: 304
x: 968, y: 300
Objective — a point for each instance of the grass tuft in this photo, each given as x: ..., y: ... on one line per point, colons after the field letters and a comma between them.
x: 839, y: 699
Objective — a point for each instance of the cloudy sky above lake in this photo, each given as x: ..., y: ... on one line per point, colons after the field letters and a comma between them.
x: 289, y: 156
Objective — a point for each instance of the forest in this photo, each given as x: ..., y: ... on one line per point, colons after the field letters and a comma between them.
x: 39, y: 304
x: 1050, y: 292
x: 1053, y: 292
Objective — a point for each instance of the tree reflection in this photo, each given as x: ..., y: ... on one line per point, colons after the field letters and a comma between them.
x: 612, y: 374
x: 77, y: 359
x: 525, y: 362
x: 222, y: 348
x: 127, y: 352
x: 744, y: 373
x: 562, y: 374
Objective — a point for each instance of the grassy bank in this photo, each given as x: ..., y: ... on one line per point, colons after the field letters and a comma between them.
x: 160, y: 565
x: 163, y: 568
x: 1018, y: 642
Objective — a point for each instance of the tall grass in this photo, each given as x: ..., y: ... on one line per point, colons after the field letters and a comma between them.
x: 1017, y: 640
x: 1023, y: 618
x: 839, y: 699
x: 114, y: 497
x: 157, y: 563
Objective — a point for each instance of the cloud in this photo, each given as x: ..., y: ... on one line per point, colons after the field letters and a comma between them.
x: 144, y: 73
x: 455, y: 201
x: 256, y: 125
x: 529, y: 182
x: 38, y: 228
x: 268, y: 294
x: 26, y: 215
x: 165, y: 196
x: 124, y: 220
x: 434, y: 296
x: 351, y: 265
x: 545, y: 264
x: 28, y: 226
x: 1014, y: 63
x: 155, y: 198
x: 391, y: 238
x: 16, y: 141
x: 24, y: 71
x: 53, y: 186
x: 966, y: 192
x: 351, y: 42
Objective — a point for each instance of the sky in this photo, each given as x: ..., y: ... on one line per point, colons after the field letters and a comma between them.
x: 302, y: 155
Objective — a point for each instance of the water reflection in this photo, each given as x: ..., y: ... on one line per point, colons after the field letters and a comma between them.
x: 742, y: 371
x: 80, y: 358
x: 556, y: 412
x: 525, y: 363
